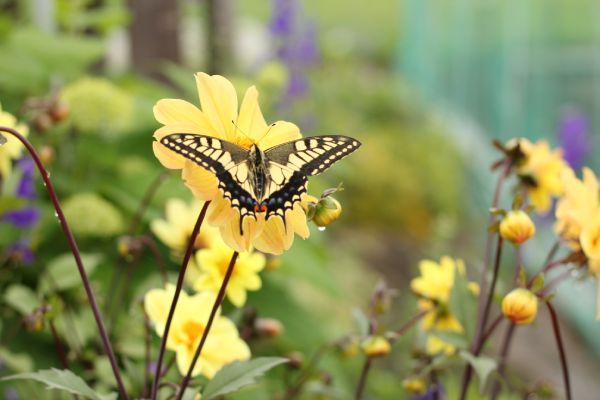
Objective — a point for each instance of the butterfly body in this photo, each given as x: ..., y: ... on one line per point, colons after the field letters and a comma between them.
x: 256, y: 181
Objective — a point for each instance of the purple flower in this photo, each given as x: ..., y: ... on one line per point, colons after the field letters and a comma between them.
x: 20, y: 251
x: 574, y: 138
x: 11, y: 394
x: 284, y: 13
x: 434, y: 392
x: 26, y: 186
x: 23, y: 217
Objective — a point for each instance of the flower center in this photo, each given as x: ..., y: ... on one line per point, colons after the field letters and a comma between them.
x: 192, y: 330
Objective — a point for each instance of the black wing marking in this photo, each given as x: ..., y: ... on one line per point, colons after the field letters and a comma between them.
x: 286, y: 196
x: 219, y: 157
x: 312, y: 155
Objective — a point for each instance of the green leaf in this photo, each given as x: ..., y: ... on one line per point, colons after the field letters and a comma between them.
x: 8, y: 203
x: 21, y: 298
x: 62, y: 274
x: 16, y: 362
x: 63, y: 380
x: 190, y: 394
x: 538, y: 283
x: 236, y: 375
x: 483, y: 366
x: 361, y: 321
x: 522, y: 277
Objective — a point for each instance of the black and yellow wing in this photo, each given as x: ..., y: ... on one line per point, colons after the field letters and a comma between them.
x: 291, y: 163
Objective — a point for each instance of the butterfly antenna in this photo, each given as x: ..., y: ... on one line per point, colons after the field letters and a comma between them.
x: 241, y: 131
x: 266, y: 133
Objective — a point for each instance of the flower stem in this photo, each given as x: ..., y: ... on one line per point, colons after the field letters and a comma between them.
x: 64, y: 362
x: 180, y: 280
x: 503, y: 356
x: 148, y: 196
x: 362, y: 381
x: 478, y: 341
x: 561, y: 350
x: 76, y: 255
x: 213, y: 314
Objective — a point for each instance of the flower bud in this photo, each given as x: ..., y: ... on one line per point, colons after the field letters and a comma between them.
x: 517, y: 227
x: 414, y: 385
x: 296, y: 360
x: 59, y: 111
x: 520, y: 306
x: 376, y: 346
x: 268, y: 327
x: 328, y: 210
x: 47, y: 155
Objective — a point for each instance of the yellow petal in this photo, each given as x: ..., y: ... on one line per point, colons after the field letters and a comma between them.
x: 175, y: 111
x: 237, y: 295
x: 297, y: 218
x: 219, y: 103
x: 251, y: 121
x: 220, y: 211
x: 157, y: 303
x: 169, y: 158
x: 202, y: 183
x: 280, y: 132
x: 230, y: 232
x: 274, y: 239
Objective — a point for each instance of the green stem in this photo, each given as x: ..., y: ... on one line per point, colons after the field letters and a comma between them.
x: 76, y: 255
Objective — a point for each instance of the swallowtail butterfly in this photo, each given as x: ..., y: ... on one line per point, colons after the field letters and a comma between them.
x: 257, y: 181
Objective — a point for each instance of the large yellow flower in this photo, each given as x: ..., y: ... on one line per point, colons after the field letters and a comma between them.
x: 541, y: 171
x: 12, y: 149
x: 220, y: 118
x: 213, y: 263
x: 223, y: 345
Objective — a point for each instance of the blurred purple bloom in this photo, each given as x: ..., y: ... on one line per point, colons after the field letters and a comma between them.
x: 20, y: 251
x: 11, y: 394
x: 26, y: 186
x: 434, y: 392
x: 23, y: 217
x: 284, y: 13
x: 574, y: 138
x: 152, y: 367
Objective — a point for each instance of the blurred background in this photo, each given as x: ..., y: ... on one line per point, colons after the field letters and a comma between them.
x: 424, y: 84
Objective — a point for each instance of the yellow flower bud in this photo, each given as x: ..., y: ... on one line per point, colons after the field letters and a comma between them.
x: 520, y: 306
x: 517, y: 227
x: 376, y: 346
x: 414, y: 385
x: 328, y: 210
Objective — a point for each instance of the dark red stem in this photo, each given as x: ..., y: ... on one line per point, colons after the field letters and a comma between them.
x: 213, y: 314
x: 180, y: 280
x: 76, y: 255
x: 561, y: 350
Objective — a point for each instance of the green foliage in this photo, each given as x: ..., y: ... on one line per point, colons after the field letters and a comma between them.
x: 91, y: 215
x: 483, y: 366
x: 235, y: 376
x: 61, y: 272
x: 63, y: 380
x: 21, y: 298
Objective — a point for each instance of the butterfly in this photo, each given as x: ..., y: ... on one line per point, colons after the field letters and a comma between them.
x: 256, y: 181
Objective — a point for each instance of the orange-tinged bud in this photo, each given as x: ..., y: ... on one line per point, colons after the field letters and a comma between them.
x: 376, y: 346
x: 47, y: 155
x: 268, y: 327
x: 517, y: 227
x: 520, y: 306
x: 414, y: 385
x: 327, y: 211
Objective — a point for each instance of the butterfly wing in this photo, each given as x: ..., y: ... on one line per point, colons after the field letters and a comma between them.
x: 291, y: 163
x: 224, y: 159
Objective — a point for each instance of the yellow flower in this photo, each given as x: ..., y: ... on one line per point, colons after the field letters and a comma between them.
x: 223, y: 344
x: 376, y: 346
x: 175, y: 230
x: 436, y: 280
x: 219, y: 117
x: 414, y: 385
x: 541, y: 171
x: 578, y: 206
x: 520, y: 306
x: 213, y: 263
x: 517, y: 227
x: 12, y: 149
x: 435, y: 345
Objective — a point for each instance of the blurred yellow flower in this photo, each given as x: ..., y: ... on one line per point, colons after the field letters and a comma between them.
x: 434, y: 286
x: 578, y: 206
x: 517, y: 227
x: 376, y: 346
x: 12, y: 149
x: 223, y: 345
x: 213, y: 263
x: 520, y: 306
x: 541, y: 172
x: 219, y: 117
x: 415, y: 385
x: 175, y: 230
